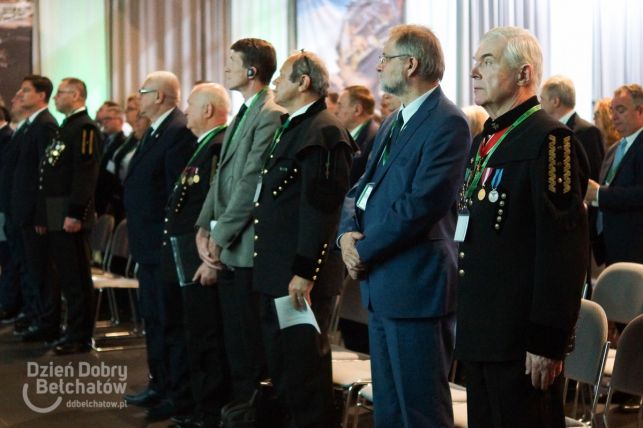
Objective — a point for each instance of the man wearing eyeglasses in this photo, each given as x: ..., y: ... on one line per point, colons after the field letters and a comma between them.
x: 156, y: 165
x: 397, y: 235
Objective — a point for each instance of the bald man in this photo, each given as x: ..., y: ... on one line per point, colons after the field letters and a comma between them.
x: 193, y: 300
x: 154, y: 169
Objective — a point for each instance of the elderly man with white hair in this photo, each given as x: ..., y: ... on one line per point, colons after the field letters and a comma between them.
x: 523, y: 243
x: 153, y: 171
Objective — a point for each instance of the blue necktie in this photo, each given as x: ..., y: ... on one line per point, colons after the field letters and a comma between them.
x: 618, y: 157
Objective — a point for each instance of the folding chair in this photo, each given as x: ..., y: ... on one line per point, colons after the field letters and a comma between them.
x: 585, y: 364
x: 107, y: 282
x: 627, y: 375
x: 100, y: 238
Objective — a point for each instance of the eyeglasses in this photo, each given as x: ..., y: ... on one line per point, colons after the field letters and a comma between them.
x: 386, y: 58
x: 61, y: 91
x: 143, y: 91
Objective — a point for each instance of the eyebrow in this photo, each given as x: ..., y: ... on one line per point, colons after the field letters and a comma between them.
x: 483, y: 56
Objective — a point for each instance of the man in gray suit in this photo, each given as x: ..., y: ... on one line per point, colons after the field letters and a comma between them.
x: 225, y: 237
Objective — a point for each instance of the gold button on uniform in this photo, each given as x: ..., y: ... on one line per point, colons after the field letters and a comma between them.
x: 461, y: 272
x: 461, y: 255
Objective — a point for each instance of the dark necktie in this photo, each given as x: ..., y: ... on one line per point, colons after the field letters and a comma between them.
x: 237, y: 120
x: 392, y: 137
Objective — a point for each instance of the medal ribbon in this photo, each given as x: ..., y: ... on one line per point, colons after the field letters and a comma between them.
x: 495, y: 181
x: 201, y: 145
x: 476, y: 178
x: 485, y: 175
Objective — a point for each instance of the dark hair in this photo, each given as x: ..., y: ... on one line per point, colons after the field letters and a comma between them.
x: 4, y: 114
x: 40, y: 84
x: 259, y: 54
x: 309, y: 64
x: 333, y: 96
x: 78, y: 84
x: 362, y: 95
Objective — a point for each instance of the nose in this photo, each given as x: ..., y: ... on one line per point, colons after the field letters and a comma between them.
x: 475, y: 72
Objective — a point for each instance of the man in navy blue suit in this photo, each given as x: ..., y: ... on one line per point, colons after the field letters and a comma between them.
x: 397, y: 236
x: 154, y: 169
x: 619, y: 196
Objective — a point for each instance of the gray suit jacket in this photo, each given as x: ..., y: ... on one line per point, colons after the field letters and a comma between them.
x: 230, y: 198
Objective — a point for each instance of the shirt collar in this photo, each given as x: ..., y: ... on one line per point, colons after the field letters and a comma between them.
x: 205, y: 134
x: 160, y: 119
x: 632, y: 137
x: 301, y: 110
x: 409, y: 110
x: 78, y: 110
x: 356, y: 131
x: 249, y: 101
x: 36, y: 113
x: 565, y: 118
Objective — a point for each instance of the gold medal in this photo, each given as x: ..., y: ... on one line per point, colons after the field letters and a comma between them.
x: 196, y: 179
x: 183, y: 179
x: 481, y: 194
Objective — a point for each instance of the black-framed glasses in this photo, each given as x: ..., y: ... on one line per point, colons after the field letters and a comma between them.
x: 64, y: 91
x: 386, y: 58
x: 143, y: 91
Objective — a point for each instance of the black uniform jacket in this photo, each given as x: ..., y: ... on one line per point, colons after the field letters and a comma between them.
x: 7, y: 146
x: 68, y: 172
x: 303, y: 185
x: 523, y: 261
x: 185, y: 202
x: 108, y: 186
x: 30, y: 149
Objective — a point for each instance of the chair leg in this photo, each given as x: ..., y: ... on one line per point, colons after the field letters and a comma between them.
x: 575, y: 408
x: 115, y: 315
x: 99, y: 299
x: 608, y: 401
x: 132, y: 305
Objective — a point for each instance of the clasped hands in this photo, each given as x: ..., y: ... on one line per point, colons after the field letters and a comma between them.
x: 356, y: 268
x: 209, y: 252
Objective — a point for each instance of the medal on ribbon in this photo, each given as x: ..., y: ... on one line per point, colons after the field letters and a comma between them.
x: 495, y: 181
x: 485, y: 176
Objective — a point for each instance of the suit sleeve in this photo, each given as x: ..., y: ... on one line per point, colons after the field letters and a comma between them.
x: 592, y: 143
x: 562, y: 245
x: 433, y: 191
x: 325, y: 180
x: 617, y: 198
x: 86, y: 146
x: 236, y: 217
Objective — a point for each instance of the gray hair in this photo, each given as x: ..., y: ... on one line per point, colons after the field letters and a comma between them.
x: 309, y: 64
x: 635, y: 91
x: 522, y: 48
x: 561, y: 87
x: 422, y: 44
x: 168, y: 83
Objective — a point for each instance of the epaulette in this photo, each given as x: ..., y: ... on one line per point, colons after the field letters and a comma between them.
x: 88, y: 135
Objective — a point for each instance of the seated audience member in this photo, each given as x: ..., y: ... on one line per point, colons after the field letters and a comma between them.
x: 476, y: 117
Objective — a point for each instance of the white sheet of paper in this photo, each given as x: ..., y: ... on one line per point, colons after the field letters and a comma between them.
x: 111, y: 166
x: 461, y: 227
x: 289, y: 316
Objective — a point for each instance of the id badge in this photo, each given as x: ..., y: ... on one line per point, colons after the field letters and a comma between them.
x: 363, y: 198
x: 111, y: 167
x: 257, y: 191
x: 461, y: 226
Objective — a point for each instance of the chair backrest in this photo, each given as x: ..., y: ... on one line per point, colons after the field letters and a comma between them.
x: 120, y: 243
x: 101, y: 232
x: 585, y: 363
x: 619, y: 290
x: 627, y: 375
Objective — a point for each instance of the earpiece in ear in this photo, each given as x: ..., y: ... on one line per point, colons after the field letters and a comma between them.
x: 251, y: 72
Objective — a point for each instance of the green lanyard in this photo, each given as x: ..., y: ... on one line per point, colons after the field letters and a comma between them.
x: 275, y: 141
x: 480, y: 168
x: 243, y: 119
x: 201, y: 145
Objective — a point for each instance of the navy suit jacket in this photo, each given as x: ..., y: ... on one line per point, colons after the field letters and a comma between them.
x: 410, y: 218
x: 31, y: 146
x: 622, y: 206
x: 152, y: 173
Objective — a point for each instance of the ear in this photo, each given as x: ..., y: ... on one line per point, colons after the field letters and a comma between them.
x: 412, y: 66
x: 304, y: 83
x: 209, y: 110
x: 358, y: 109
x: 524, y: 75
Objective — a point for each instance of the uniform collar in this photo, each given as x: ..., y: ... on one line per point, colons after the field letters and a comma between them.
x: 492, y: 126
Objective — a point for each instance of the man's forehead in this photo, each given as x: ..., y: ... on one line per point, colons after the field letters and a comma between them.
x: 491, y: 47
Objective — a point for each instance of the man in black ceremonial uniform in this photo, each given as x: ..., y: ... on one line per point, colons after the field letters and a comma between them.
x: 523, y: 258
x: 65, y: 210
x: 299, y: 198
x: 192, y: 302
